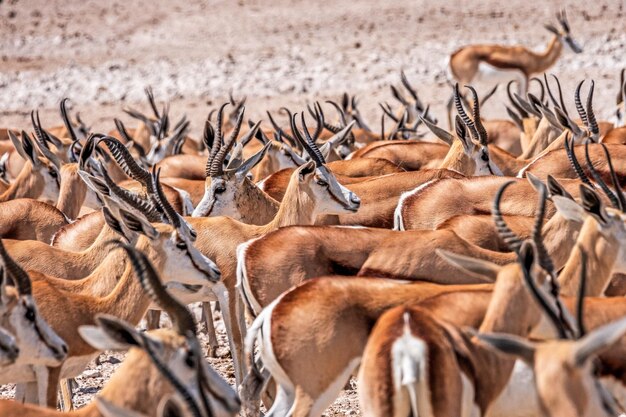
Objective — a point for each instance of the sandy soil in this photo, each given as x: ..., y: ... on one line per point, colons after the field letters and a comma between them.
x: 280, y: 52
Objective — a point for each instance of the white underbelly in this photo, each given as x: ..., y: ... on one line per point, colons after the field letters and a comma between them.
x: 492, y: 75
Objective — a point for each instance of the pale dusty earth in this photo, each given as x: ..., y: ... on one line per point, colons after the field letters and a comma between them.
x: 101, y: 54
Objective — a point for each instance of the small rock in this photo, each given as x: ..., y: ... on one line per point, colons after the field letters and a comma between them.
x: 92, y: 373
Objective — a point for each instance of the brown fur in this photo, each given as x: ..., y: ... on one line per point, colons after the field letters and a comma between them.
x: 407, y: 154
x: 81, y: 234
x: 24, y: 219
x: 443, y: 199
x: 72, y: 191
x: 464, y: 63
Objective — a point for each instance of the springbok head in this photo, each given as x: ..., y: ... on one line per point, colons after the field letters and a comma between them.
x: 467, y: 155
x: 173, y: 242
x: 44, y: 167
x: 317, y: 181
x: 37, y: 342
x: 172, y: 354
x: 170, y: 144
x: 563, y: 368
x: 349, y: 106
x: 563, y: 32
x: 227, y: 188
x: 413, y: 105
x: 559, y: 118
x: 610, y: 222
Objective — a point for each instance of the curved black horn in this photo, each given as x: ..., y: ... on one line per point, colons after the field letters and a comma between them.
x: 66, y: 120
x: 571, y: 155
x: 162, y: 201
x: 217, y: 143
x: 614, y: 180
x: 506, y: 234
x: 217, y: 164
x: 514, y: 102
x: 182, y: 320
x: 459, y: 108
x: 20, y: 277
x: 126, y: 161
x: 593, y: 123
x: 598, y: 178
x: 482, y: 132
x: 579, y: 105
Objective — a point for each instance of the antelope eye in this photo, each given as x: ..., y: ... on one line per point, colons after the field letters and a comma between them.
x: 30, y: 314
x: 181, y: 245
x: 322, y: 183
x: 53, y: 173
x: 484, y: 157
x: 190, y: 360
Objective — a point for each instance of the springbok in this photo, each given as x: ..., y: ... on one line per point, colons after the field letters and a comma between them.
x: 427, y: 207
x: 313, y: 189
x: 159, y: 364
x: 39, y: 176
x: 40, y: 346
x: 468, y: 62
x: 413, y: 350
x: 563, y: 370
x: 356, y: 303
x: 67, y: 311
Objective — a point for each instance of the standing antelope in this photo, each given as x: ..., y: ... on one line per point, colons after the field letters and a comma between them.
x: 159, y: 364
x: 468, y: 62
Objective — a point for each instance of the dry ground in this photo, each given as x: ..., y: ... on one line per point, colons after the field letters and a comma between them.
x: 102, y: 54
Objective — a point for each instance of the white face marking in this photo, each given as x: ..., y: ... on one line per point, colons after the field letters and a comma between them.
x: 178, y: 265
x: 38, y: 343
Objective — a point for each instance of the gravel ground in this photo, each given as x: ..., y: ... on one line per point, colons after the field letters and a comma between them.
x: 279, y: 52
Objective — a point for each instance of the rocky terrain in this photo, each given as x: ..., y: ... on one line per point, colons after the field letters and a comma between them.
x: 277, y: 53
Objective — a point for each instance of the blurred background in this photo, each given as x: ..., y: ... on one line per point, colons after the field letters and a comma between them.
x: 101, y: 54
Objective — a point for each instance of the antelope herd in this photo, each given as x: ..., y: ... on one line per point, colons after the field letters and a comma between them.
x: 470, y: 271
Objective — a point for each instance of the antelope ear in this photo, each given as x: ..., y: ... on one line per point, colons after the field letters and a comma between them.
x: 138, y: 224
x: 25, y: 148
x: 236, y: 157
x: 251, y: 162
x: 598, y: 340
x: 113, y: 222
x: 108, y: 409
x: 461, y: 133
x: 442, y: 134
x: 535, y: 181
x: 169, y: 407
x: 95, y: 184
x: 556, y: 188
x: 569, y: 209
x: 566, y: 122
x: 306, y: 171
x: 111, y: 333
x: 592, y: 204
x: 479, y: 268
x: 550, y: 117
x: 511, y: 345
